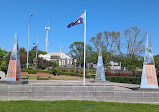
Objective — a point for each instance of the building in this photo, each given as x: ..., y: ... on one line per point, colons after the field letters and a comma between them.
x: 115, y: 65
x: 65, y: 60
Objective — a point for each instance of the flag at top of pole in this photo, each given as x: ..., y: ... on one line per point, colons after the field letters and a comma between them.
x: 78, y: 21
x: 81, y: 19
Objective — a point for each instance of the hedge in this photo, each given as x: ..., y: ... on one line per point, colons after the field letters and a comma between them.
x: 34, y: 71
x: 74, y: 74
x: 122, y: 79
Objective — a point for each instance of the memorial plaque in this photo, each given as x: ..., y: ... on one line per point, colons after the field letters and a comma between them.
x: 149, y: 77
x: 151, y: 74
x: 14, y: 68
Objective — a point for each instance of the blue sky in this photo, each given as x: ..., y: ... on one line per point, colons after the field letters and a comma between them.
x: 111, y: 15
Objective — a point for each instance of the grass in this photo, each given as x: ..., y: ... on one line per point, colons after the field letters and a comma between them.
x: 74, y: 106
x: 60, y: 77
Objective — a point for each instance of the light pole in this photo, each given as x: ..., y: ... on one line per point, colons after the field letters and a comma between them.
x: 28, y: 40
x: 36, y: 52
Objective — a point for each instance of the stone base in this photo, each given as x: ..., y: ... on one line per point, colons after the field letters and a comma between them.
x: 145, y: 89
x: 99, y: 81
x: 14, y: 82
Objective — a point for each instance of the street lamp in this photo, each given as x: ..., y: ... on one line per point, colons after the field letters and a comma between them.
x: 28, y: 40
x: 36, y: 51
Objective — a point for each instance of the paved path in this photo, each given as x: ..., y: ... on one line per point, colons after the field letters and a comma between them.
x: 89, y: 82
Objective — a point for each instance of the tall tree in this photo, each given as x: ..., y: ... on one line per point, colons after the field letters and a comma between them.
x: 44, y: 64
x: 77, y: 51
x: 156, y: 59
x: 23, y: 57
x: 98, y: 41
x: 112, y: 42
x: 135, y: 40
x: 3, y: 60
x: 32, y: 54
x: 109, y: 42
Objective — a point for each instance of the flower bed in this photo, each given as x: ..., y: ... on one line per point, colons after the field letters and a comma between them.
x: 127, y: 74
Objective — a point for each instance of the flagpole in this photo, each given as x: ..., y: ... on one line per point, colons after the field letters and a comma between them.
x: 84, y: 48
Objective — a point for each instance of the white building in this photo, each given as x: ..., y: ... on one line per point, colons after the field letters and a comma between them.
x: 115, y: 65
x: 65, y: 60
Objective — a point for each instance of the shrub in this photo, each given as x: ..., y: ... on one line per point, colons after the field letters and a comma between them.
x: 81, y: 72
x: 55, y: 71
x: 92, y: 71
x: 31, y: 72
x: 75, y: 74
x: 67, y: 73
x: 122, y: 79
x: 34, y: 71
x: 64, y: 70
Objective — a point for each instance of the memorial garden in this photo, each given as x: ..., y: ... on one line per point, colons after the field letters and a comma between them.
x: 103, y: 61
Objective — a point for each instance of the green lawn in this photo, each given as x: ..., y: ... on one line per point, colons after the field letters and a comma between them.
x: 74, y: 106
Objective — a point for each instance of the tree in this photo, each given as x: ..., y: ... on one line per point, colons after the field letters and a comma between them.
x: 97, y: 41
x: 23, y: 57
x: 44, y: 64
x: 32, y: 54
x: 77, y: 52
x: 135, y: 40
x: 109, y: 42
x: 112, y: 42
x: 3, y: 60
x: 156, y: 59
x: 89, y: 54
x: 129, y: 63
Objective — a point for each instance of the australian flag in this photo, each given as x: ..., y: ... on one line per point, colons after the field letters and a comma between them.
x: 78, y: 21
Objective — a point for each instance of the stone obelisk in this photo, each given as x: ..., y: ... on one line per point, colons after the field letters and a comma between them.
x: 100, y: 74
x: 14, y: 68
x: 149, y: 78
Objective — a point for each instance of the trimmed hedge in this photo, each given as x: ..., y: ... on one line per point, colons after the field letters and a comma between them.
x: 34, y: 71
x: 122, y: 79
x: 74, y: 74
x: 70, y: 74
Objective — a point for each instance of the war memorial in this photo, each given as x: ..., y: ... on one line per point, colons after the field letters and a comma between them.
x: 14, y: 88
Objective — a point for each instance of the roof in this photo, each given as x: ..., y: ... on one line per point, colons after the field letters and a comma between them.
x: 60, y: 54
x: 55, y: 53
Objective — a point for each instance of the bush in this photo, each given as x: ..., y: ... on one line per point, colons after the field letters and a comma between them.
x: 81, y: 72
x: 92, y: 71
x: 64, y: 70
x: 31, y: 72
x: 56, y: 71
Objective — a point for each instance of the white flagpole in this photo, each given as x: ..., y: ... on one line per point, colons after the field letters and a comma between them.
x: 84, y: 47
